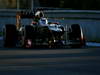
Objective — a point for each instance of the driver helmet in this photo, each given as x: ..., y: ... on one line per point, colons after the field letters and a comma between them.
x: 39, y: 14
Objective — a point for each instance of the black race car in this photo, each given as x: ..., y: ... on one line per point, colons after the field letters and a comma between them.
x: 47, y: 34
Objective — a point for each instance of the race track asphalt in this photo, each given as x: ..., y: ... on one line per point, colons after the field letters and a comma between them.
x: 69, y: 61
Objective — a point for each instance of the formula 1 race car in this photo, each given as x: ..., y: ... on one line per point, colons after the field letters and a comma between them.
x: 48, y: 34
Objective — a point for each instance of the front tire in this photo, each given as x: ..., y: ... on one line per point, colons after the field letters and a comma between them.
x: 76, y: 36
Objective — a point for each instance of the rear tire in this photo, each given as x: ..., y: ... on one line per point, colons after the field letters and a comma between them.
x: 10, y: 35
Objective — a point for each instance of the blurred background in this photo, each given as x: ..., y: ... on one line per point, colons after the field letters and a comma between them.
x: 68, y: 4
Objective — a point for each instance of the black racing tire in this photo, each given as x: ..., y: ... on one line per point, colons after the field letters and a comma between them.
x: 76, y: 32
x: 10, y: 35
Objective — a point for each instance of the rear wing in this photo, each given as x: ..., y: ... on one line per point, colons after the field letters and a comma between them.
x: 22, y: 15
x: 25, y: 14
